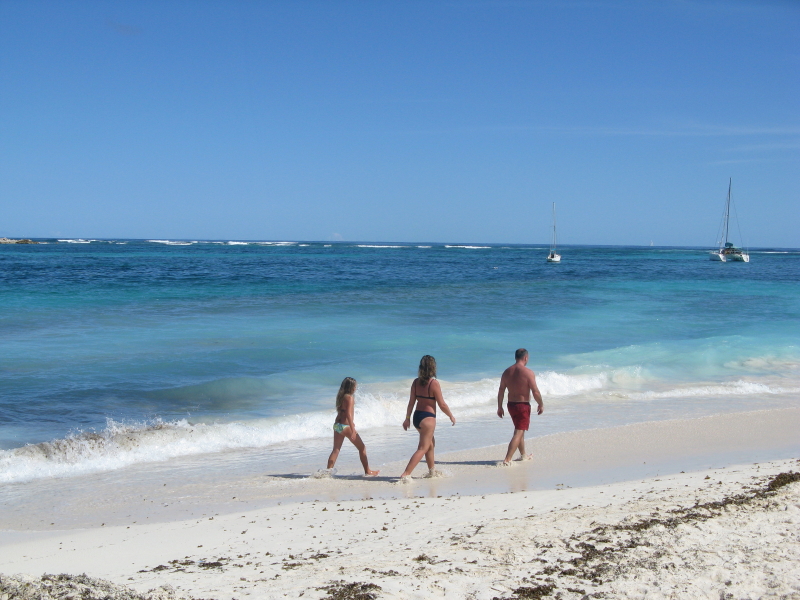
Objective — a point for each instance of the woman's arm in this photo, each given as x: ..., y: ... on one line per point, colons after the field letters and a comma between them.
x: 412, y: 398
x: 350, y: 405
x: 437, y: 393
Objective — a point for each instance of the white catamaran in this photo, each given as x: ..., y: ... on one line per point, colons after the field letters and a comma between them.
x: 726, y: 251
x: 553, y: 256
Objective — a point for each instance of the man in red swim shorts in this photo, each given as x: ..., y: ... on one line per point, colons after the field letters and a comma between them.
x: 520, y: 381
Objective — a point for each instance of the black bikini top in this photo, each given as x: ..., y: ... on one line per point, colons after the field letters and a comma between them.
x: 429, y: 388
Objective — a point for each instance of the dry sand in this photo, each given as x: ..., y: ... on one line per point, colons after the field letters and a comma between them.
x: 718, y: 533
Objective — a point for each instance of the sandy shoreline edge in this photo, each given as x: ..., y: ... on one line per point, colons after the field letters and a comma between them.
x: 577, y: 459
x: 705, y: 533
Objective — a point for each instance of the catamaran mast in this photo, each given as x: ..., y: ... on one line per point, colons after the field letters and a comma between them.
x: 553, y: 247
x: 728, y: 210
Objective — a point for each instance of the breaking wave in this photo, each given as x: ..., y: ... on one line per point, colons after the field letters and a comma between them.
x: 735, y: 388
x: 122, y: 444
x: 171, y: 242
x: 468, y: 247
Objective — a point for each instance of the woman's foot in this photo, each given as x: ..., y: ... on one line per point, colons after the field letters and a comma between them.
x: 371, y: 473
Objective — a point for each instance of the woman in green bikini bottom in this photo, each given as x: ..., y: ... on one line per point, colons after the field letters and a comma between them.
x: 344, y: 427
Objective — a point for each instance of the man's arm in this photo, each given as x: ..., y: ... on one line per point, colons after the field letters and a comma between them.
x: 537, y: 395
x: 501, y: 392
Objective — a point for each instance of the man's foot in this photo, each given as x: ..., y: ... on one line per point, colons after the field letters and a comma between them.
x: 526, y: 457
x: 504, y: 463
x: 371, y: 473
x: 405, y: 479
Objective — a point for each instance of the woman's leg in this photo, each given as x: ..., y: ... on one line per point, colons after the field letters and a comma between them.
x: 429, y: 454
x: 362, y: 454
x: 338, y: 440
x: 426, y: 429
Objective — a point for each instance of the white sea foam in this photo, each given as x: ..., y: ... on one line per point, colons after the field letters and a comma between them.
x: 735, y: 388
x: 469, y: 247
x: 551, y: 383
x: 77, y: 241
x: 378, y: 246
x: 171, y: 242
x: 424, y: 246
x: 323, y: 474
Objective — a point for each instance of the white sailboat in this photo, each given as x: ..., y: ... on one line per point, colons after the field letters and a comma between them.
x: 726, y: 251
x: 553, y: 256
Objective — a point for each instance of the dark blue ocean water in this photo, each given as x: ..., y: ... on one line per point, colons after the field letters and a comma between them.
x: 119, y: 335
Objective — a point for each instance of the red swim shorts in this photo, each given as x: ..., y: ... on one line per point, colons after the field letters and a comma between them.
x: 520, y: 414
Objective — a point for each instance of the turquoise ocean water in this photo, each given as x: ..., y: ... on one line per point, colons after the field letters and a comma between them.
x: 125, y: 353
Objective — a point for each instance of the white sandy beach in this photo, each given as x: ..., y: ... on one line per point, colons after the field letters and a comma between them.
x: 716, y: 532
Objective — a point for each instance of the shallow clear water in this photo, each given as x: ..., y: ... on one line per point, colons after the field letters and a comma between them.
x: 169, y: 350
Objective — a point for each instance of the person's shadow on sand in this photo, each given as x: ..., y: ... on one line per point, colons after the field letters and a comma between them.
x: 343, y: 477
x: 471, y: 463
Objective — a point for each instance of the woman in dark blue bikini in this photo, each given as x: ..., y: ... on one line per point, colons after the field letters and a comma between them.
x: 426, y: 393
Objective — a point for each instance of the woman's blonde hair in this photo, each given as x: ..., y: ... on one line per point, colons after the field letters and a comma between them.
x: 348, y: 387
x: 427, y: 369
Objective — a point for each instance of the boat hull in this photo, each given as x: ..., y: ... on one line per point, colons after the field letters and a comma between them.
x: 554, y: 258
x: 730, y: 257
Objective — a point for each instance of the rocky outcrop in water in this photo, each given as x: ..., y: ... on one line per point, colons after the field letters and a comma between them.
x: 22, y: 241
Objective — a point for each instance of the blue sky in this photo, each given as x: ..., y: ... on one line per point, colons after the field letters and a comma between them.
x: 400, y: 121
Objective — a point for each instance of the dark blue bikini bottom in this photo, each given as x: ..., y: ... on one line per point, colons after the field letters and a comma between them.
x: 419, y: 415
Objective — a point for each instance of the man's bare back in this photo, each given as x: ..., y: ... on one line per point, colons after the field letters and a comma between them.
x: 520, y: 381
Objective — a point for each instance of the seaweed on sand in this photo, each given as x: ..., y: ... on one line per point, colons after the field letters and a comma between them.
x: 357, y: 590
x: 595, y: 564
x: 53, y: 587
x: 530, y: 593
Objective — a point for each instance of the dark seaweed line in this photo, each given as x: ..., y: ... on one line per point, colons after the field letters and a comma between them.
x: 595, y: 565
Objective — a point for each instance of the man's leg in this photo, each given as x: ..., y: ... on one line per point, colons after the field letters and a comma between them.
x: 522, y: 453
x: 513, y: 445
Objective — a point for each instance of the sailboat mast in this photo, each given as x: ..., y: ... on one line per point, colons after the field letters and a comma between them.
x: 554, y: 227
x: 728, y: 210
